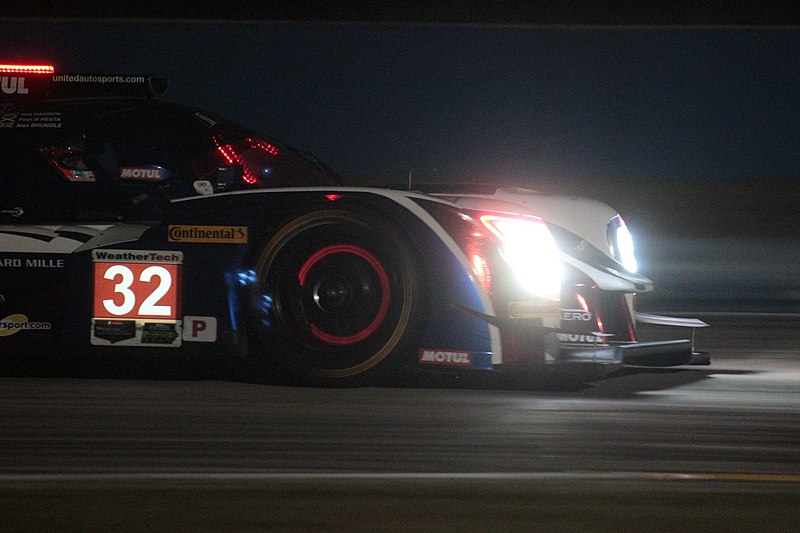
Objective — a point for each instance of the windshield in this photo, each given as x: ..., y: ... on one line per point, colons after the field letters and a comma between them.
x: 97, y: 159
x: 242, y: 159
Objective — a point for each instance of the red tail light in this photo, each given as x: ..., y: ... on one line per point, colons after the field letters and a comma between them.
x: 27, y: 69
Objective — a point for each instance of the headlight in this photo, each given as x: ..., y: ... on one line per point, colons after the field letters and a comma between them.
x: 620, y: 243
x: 530, y: 250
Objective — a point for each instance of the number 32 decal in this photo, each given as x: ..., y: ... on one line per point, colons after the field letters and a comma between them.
x: 136, y: 290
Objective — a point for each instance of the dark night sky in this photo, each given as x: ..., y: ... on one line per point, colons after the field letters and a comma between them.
x: 474, y: 101
x: 690, y: 130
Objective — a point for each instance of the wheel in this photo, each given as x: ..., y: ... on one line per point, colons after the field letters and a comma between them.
x: 337, y: 299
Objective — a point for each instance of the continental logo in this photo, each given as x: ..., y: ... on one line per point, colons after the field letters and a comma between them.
x: 208, y: 234
x: 15, y: 323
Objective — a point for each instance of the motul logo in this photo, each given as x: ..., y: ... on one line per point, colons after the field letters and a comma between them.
x: 440, y: 357
x: 13, y: 85
x: 576, y: 337
x: 153, y: 173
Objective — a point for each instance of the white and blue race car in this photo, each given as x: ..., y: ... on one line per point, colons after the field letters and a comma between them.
x: 130, y: 225
x: 600, y: 279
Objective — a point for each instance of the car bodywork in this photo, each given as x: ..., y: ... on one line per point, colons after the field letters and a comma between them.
x: 600, y: 282
x: 134, y: 225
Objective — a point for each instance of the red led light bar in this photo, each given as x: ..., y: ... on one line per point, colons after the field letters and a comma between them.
x: 27, y: 69
x: 234, y: 154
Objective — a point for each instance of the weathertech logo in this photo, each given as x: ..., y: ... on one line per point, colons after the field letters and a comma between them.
x: 441, y: 357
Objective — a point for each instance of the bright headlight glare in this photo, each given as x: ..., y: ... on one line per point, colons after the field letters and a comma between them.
x: 530, y: 250
x: 621, y: 244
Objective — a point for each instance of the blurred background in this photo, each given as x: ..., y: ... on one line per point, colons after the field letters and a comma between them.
x: 690, y: 130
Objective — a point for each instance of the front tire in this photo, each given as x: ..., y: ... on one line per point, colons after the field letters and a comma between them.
x: 337, y: 299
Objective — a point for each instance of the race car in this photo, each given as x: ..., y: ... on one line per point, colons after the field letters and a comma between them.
x: 132, y: 225
x: 600, y: 278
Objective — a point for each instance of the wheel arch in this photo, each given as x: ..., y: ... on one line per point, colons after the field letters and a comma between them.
x: 384, y: 247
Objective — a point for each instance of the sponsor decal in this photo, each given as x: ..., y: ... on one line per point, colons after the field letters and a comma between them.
x: 136, y: 256
x: 580, y: 338
x: 203, y: 187
x: 15, y: 323
x: 207, y: 234
x: 94, y: 78
x: 114, y: 331
x: 13, y: 85
x: 531, y: 309
x: 200, y: 329
x: 445, y: 357
x: 136, y: 297
x: 31, y: 263
x: 576, y: 315
x: 15, y: 212
x: 159, y: 333
x: 143, y: 173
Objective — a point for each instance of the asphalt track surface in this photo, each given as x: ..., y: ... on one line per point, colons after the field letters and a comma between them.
x: 165, y: 447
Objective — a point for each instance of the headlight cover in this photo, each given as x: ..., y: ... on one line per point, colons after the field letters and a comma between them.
x: 620, y: 243
x: 530, y: 250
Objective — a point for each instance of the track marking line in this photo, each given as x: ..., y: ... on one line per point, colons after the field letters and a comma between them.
x: 334, y: 476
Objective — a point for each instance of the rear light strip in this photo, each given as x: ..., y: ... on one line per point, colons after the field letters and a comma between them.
x: 27, y: 69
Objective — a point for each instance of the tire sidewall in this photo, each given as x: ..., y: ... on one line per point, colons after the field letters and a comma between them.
x: 385, y: 350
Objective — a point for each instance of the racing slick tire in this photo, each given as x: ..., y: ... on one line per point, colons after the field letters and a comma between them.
x: 337, y: 299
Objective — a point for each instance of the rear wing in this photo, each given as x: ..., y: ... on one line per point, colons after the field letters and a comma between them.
x: 38, y: 82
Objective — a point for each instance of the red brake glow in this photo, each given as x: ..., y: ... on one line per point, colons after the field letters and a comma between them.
x: 385, y: 288
x: 27, y: 69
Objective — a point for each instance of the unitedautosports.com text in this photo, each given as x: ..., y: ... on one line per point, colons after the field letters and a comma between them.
x: 90, y: 78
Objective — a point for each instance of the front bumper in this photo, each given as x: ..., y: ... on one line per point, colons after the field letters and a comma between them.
x: 656, y: 353
x: 653, y: 354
